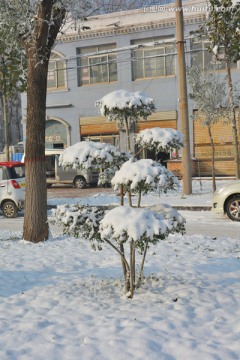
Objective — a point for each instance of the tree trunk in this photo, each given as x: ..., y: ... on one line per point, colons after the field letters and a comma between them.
x: 38, y: 47
x: 213, y: 158
x: 127, y: 135
x: 35, y: 227
x: 140, y: 277
x: 5, y: 113
x: 233, y: 115
x: 132, y: 270
x: 139, y: 198
x: 5, y: 121
x: 129, y: 198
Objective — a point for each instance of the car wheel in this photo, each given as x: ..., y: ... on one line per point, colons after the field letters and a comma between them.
x: 233, y: 208
x: 9, y: 209
x: 80, y: 182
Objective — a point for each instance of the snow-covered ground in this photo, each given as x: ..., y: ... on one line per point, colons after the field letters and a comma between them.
x: 61, y: 300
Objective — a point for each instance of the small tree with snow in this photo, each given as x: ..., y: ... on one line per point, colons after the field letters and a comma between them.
x: 209, y: 94
x: 141, y: 176
x: 139, y: 228
x: 159, y: 139
x: 126, y: 108
x: 123, y: 225
x: 222, y: 31
x: 89, y: 155
x: 127, y: 225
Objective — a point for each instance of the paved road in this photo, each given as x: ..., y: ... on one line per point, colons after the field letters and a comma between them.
x: 70, y: 192
x: 198, y: 222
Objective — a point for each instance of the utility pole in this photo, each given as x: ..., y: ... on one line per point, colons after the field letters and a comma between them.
x: 183, y: 100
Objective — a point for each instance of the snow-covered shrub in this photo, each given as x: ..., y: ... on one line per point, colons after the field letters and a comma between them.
x: 160, y: 139
x: 119, y: 104
x: 87, y: 155
x: 142, y: 176
x: 126, y: 108
x: 80, y: 220
x: 139, y: 228
x: 126, y: 224
x: 105, y: 177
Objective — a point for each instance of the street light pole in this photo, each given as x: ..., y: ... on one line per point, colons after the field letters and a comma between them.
x: 183, y: 100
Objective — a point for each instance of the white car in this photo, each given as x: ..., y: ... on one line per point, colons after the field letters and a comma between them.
x: 226, y: 200
x: 12, y: 188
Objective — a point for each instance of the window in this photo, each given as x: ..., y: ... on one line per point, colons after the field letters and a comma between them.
x: 207, y: 59
x: 153, y: 61
x: 108, y: 139
x: 56, y: 73
x: 98, y: 67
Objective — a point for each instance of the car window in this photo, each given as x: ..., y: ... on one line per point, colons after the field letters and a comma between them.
x: 3, y: 173
x: 16, y: 172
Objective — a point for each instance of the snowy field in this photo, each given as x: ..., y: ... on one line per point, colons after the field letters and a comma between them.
x: 60, y: 300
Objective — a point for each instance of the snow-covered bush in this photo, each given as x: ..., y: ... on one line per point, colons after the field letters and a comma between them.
x: 79, y: 220
x: 139, y: 228
x: 142, y: 226
x: 160, y: 139
x: 126, y: 108
x: 141, y: 176
x: 136, y: 227
x: 89, y: 154
x: 123, y: 225
x: 86, y: 155
x: 121, y: 103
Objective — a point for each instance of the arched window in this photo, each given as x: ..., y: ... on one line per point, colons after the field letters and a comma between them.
x: 56, y: 72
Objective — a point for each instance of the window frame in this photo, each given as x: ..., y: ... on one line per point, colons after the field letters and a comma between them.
x: 84, y: 57
x: 54, y: 59
x: 218, y: 64
x: 136, y: 59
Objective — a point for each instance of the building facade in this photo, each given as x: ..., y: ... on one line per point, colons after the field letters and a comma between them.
x: 136, y: 51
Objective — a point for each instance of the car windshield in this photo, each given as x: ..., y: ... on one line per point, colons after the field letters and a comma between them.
x: 16, y: 172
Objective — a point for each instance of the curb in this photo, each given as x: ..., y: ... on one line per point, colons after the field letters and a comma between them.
x: 192, y: 208
x: 177, y: 207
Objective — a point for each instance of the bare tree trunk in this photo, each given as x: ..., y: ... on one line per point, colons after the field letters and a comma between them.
x: 129, y: 198
x: 6, y: 127
x: 139, y: 198
x: 139, y: 282
x: 35, y: 227
x: 132, y: 270
x: 124, y: 268
x: 4, y: 110
x: 121, y: 196
x: 234, y: 122
x: 38, y: 48
x: 127, y: 135
x: 213, y: 158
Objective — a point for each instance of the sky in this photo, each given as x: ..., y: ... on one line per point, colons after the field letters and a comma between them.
x: 62, y: 300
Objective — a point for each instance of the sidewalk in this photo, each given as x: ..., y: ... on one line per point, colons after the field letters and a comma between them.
x: 199, y: 200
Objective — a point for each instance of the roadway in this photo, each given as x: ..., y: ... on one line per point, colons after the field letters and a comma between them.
x: 197, y: 222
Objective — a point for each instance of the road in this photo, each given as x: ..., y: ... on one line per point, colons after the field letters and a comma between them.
x: 198, y: 222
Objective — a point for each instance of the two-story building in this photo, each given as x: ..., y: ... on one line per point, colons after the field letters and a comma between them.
x: 133, y: 50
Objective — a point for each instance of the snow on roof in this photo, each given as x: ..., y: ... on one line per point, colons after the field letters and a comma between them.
x: 145, y: 15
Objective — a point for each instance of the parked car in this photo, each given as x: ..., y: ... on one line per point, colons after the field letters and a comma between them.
x: 55, y: 174
x: 226, y: 200
x: 12, y: 187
